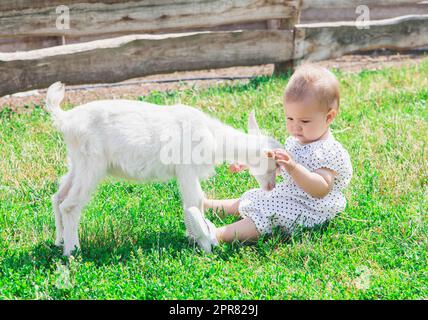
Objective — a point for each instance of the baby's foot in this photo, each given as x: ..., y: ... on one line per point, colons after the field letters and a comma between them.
x: 201, y: 229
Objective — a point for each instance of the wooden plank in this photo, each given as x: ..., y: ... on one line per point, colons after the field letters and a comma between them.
x: 6, y: 5
x: 314, y: 15
x: 107, y: 61
x: 40, y: 42
x: 28, y: 43
x: 335, y: 4
x: 319, y: 41
x: 31, y: 4
x: 149, y: 16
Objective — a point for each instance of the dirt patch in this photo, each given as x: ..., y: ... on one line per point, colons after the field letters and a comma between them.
x: 375, y: 60
x: 131, y: 89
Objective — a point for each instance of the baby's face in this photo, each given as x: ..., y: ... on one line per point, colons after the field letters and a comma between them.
x: 307, y: 121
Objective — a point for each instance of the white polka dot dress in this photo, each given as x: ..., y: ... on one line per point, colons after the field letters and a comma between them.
x: 287, y: 205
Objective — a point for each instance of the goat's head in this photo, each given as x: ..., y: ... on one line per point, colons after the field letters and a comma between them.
x: 260, y: 166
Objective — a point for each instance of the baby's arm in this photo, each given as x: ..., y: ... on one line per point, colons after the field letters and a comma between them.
x: 318, y: 183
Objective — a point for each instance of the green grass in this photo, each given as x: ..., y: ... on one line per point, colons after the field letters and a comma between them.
x: 132, y: 236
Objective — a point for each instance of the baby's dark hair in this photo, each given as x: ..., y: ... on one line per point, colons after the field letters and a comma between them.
x: 311, y: 81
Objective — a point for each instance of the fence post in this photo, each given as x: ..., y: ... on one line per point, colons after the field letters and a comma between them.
x: 286, y: 66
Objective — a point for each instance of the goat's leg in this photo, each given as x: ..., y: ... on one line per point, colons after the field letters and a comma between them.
x: 85, y: 179
x: 191, y: 191
x: 190, y: 188
x: 57, y: 199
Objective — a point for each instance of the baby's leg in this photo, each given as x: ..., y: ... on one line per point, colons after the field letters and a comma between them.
x: 242, y: 230
x: 207, y: 235
x: 228, y: 206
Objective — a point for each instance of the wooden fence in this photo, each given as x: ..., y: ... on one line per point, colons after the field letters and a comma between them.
x: 160, y: 36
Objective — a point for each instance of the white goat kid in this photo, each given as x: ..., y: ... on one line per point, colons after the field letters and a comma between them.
x: 141, y: 141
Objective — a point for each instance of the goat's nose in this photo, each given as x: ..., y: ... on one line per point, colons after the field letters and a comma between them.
x: 270, y: 186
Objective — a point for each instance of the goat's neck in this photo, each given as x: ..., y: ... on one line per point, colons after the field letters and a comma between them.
x: 236, y: 146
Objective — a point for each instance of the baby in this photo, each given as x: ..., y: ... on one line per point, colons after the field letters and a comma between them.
x: 314, y: 166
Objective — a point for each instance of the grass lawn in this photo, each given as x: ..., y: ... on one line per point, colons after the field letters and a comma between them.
x: 132, y: 236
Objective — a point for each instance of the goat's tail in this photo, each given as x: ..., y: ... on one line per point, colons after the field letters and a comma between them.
x: 54, y: 97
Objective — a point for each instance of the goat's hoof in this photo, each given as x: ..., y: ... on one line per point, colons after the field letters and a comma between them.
x: 71, y: 252
x: 191, y: 238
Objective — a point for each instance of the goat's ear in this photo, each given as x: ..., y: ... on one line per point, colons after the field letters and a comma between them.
x: 253, y: 127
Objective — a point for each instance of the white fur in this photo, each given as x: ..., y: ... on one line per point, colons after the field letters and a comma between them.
x: 124, y: 138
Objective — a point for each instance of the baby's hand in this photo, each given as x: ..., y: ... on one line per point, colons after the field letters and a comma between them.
x: 282, y: 158
x: 237, y: 167
x: 278, y: 154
